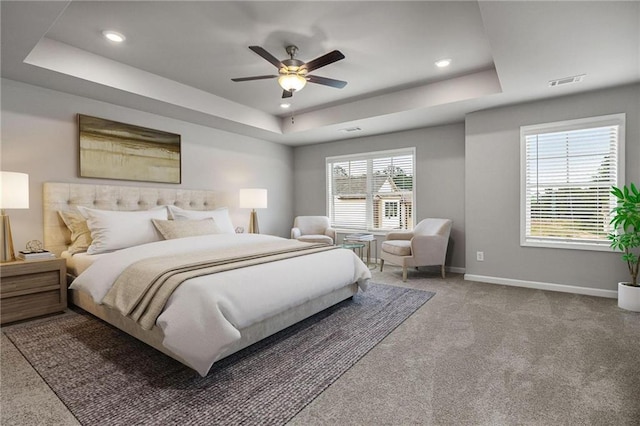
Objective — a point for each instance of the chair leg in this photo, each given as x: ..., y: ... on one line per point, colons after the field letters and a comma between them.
x: 381, y: 264
x: 404, y: 273
x: 442, y: 270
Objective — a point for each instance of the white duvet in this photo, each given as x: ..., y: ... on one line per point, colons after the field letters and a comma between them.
x: 204, y: 315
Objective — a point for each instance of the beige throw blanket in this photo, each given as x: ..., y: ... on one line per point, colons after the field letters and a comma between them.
x: 144, y: 288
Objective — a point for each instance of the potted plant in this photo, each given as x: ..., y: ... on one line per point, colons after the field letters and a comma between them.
x: 626, y: 238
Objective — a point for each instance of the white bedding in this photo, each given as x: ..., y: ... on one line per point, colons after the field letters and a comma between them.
x: 79, y: 262
x: 204, y: 315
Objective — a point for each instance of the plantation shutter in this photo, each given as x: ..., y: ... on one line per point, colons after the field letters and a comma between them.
x: 568, y: 178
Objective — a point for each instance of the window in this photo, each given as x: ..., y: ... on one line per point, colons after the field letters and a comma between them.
x: 567, y: 170
x: 391, y: 209
x: 372, y: 191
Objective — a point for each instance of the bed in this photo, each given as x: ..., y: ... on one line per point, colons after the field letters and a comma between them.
x: 208, y: 316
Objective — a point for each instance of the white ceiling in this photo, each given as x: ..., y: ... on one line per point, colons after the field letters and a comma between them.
x: 179, y: 58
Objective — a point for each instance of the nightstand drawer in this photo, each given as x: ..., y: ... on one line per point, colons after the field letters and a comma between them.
x: 30, y: 289
x: 30, y: 283
x: 29, y: 305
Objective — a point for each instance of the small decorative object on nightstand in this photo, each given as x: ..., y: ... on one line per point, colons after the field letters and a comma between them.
x: 34, y: 251
x: 30, y: 289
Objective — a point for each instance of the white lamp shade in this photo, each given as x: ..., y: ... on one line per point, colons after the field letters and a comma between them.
x: 253, y: 198
x: 14, y: 188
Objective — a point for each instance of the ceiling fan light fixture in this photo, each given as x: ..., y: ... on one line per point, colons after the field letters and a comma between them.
x: 292, y: 82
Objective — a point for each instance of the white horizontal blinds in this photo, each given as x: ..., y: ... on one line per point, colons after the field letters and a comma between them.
x: 392, y: 192
x: 568, y: 179
x: 349, y: 194
x: 372, y: 191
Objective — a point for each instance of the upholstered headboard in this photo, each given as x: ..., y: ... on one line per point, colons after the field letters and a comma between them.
x: 66, y: 196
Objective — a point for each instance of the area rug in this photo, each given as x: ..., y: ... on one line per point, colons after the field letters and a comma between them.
x: 106, y: 377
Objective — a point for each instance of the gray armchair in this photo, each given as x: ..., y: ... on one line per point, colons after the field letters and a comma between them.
x: 424, y: 246
x: 313, y: 229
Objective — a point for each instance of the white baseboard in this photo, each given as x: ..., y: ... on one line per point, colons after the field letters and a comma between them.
x: 543, y: 286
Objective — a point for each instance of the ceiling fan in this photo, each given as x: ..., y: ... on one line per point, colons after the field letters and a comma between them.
x: 293, y: 74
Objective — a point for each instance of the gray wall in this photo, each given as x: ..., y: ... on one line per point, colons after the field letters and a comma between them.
x: 467, y: 172
x: 40, y: 137
x: 439, y: 175
x: 492, y: 191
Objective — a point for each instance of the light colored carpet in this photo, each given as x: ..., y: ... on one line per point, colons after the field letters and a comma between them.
x: 476, y: 354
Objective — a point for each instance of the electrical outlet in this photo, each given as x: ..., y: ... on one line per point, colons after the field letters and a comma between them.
x: 480, y: 256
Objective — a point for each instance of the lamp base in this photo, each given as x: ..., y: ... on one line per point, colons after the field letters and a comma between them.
x: 6, y: 251
x: 253, y: 223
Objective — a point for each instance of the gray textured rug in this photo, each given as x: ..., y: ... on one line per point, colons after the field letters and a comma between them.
x: 105, y: 376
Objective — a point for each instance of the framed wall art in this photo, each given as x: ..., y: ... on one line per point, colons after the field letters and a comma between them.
x: 112, y: 150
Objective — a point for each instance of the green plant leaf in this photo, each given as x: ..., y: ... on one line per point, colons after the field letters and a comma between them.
x: 625, y: 220
x: 617, y: 192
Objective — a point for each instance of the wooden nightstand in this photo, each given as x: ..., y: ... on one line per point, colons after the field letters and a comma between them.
x: 29, y: 289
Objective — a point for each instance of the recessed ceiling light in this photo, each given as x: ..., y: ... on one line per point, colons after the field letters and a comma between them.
x: 443, y: 63
x: 285, y: 105
x: 114, y: 36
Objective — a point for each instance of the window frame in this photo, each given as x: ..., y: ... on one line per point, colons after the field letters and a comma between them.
x: 391, y: 207
x: 567, y: 126
x: 369, y: 206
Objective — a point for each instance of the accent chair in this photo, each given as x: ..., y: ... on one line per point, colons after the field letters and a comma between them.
x: 313, y: 229
x: 425, y: 245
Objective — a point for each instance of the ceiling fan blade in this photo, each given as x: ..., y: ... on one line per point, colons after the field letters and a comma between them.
x: 268, y: 56
x: 323, y: 60
x: 286, y: 94
x: 257, y: 77
x: 338, y: 84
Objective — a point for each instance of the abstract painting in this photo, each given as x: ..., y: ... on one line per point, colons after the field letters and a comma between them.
x: 113, y: 150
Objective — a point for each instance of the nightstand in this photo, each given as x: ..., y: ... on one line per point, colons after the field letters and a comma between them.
x: 32, y: 288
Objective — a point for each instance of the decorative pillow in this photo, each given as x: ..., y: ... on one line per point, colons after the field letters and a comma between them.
x: 220, y: 216
x: 171, y: 229
x: 80, y: 234
x: 113, y: 230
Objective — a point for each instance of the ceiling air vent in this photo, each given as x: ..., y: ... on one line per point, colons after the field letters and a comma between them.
x: 566, y: 80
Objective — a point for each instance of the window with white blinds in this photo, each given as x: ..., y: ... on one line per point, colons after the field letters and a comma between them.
x: 568, y: 169
x: 371, y: 191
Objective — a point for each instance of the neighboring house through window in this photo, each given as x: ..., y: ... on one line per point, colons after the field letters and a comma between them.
x: 371, y: 191
x: 568, y: 169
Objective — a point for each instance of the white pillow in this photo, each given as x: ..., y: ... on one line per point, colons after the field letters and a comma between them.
x: 220, y: 216
x: 113, y: 230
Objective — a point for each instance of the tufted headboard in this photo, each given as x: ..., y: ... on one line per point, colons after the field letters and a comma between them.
x: 66, y: 196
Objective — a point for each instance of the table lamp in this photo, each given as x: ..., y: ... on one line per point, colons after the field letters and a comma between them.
x: 14, y: 194
x: 253, y: 198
